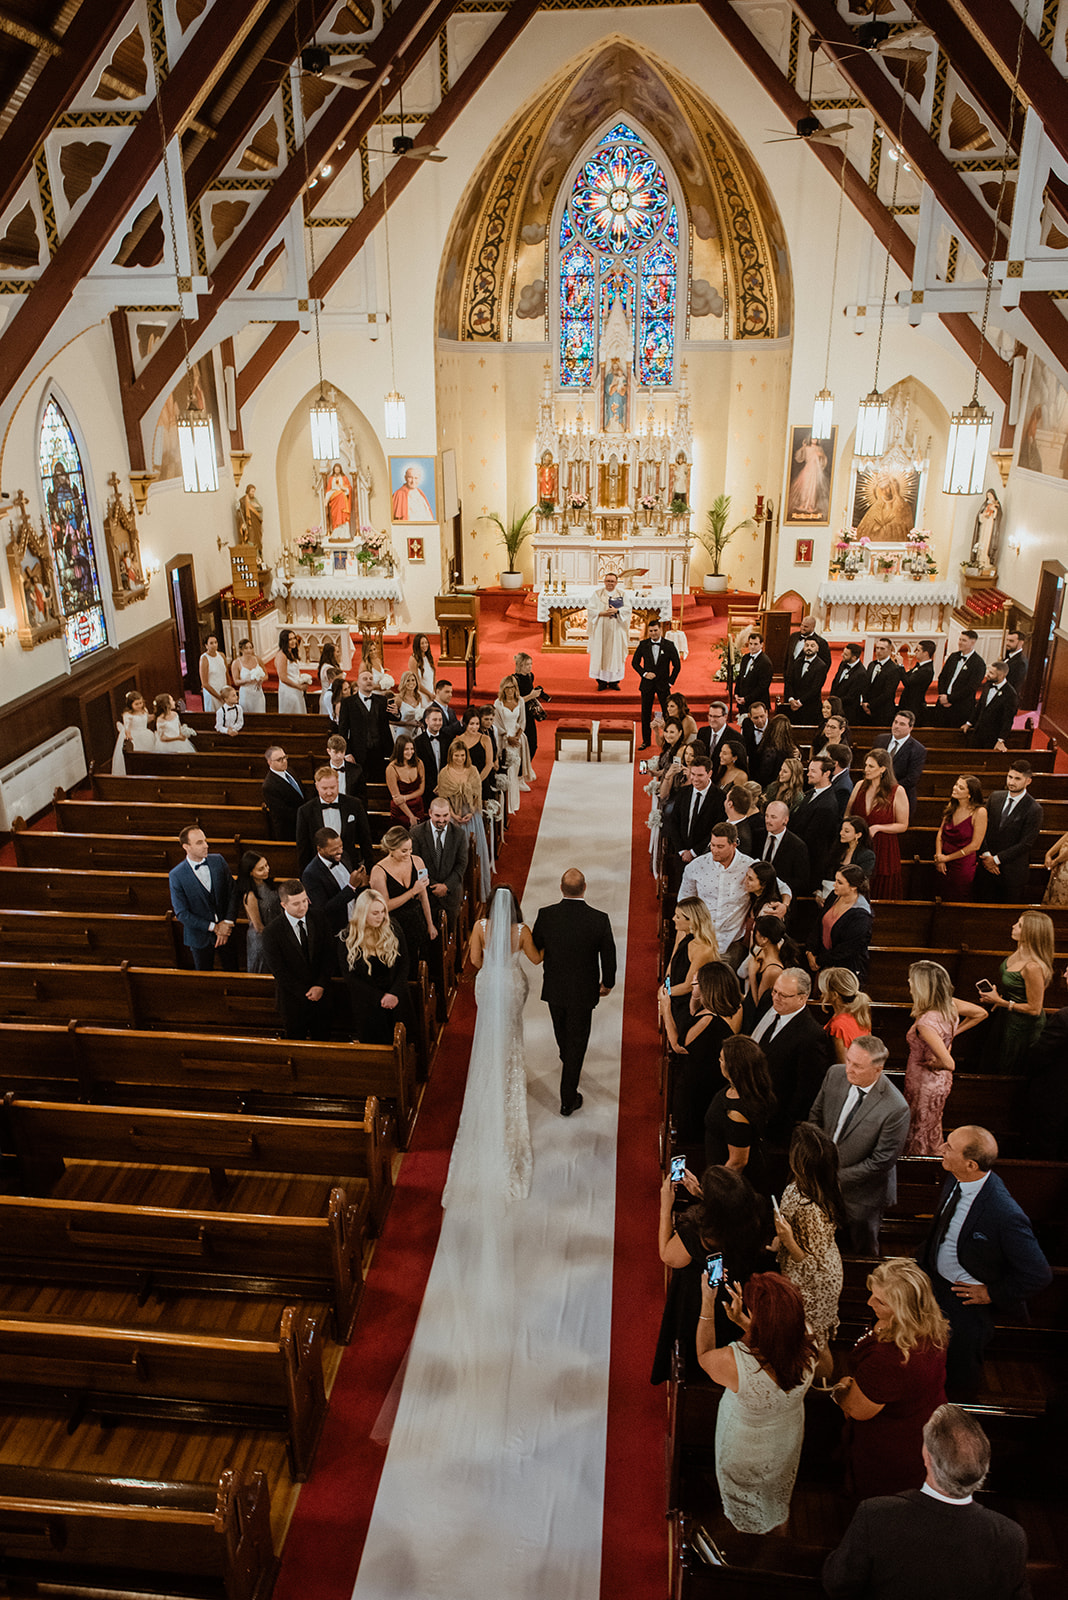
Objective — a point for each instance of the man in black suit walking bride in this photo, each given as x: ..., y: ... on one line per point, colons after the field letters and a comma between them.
x: 579, y: 969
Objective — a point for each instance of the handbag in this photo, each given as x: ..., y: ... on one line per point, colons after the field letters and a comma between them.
x: 536, y: 710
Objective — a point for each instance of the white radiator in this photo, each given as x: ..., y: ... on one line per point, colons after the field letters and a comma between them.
x: 28, y: 784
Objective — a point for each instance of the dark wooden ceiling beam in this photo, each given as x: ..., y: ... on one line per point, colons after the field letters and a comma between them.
x: 401, y: 174
x: 195, y: 73
x: 58, y: 82
x: 348, y: 115
x: 998, y: 28
x: 886, y: 227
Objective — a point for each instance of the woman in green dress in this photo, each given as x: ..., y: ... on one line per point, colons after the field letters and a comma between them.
x: 1020, y: 992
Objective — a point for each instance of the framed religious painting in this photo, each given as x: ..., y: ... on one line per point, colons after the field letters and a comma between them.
x: 413, y: 489
x: 803, y: 552
x: 341, y: 563
x: 808, y: 498
x: 33, y: 584
x: 884, y: 502
x: 416, y: 548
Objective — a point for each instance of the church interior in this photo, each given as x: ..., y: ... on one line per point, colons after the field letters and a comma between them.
x: 389, y: 320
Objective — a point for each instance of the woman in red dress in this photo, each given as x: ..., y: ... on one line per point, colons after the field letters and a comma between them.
x: 896, y: 1378
x: 882, y: 803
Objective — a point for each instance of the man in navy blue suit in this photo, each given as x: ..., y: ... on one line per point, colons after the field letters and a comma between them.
x: 908, y: 755
x: 980, y: 1255
x: 204, y: 899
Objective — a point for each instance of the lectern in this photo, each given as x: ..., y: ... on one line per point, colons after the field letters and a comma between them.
x: 456, y: 615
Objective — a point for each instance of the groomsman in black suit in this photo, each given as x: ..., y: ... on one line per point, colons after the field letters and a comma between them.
x: 1014, y: 822
x: 1015, y: 661
x: 958, y: 682
x: 752, y: 681
x: 282, y: 794
x: 451, y: 726
x: 884, y: 675
x: 578, y: 971
x: 787, y: 853
x: 803, y: 685
x: 331, y: 879
x: 298, y: 949
x: 364, y: 720
x: 695, y: 812
x: 816, y: 821
x: 717, y: 736
x: 331, y: 809
x: 796, y: 642
x: 995, y: 709
x: 432, y: 747
x: 762, y: 761
x: 917, y: 680
x: 657, y: 663
x: 850, y: 682
x: 907, y: 754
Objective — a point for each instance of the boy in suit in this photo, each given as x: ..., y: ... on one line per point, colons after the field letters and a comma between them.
x: 578, y: 971
x: 204, y: 900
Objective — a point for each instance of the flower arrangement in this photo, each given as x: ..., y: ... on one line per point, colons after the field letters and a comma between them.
x: 647, y: 502
x: 918, y: 561
x: 679, y: 505
x: 310, y: 550
x: 577, y: 502
x: 492, y: 809
x: 849, y: 554
x: 885, y: 563
x: 546, y: 508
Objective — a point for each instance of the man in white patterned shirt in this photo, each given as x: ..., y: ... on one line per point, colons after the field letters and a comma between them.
x: 718, y: 878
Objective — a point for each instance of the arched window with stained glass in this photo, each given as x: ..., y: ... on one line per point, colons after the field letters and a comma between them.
x: 70, y: 533
x: 619, y: 240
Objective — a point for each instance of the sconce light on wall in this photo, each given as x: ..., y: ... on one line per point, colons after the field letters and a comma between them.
x: 8, y: 625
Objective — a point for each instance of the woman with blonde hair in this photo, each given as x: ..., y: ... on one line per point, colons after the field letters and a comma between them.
x: 939, y: 1018
x: 789, y: 786
x: 896, y: 1378
x: 1020, y: 993
x: 850, y: 1008
x: 400, y: 877
x: 510, y: 721
x: 460, y: 783
x: 407, y: 707
x: 695, y: 945
x: 374, y: 965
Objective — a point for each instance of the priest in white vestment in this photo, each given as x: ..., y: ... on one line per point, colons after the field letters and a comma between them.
x: 608, y: 614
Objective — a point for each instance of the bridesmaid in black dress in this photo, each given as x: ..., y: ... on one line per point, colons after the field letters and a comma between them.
x: 524, y: 677
x: 489, y: 787
x: 373, y: 957
x: 401, y: 879
x: 695, y: 945
x: 738, y: 1116
x: 716, y: 1015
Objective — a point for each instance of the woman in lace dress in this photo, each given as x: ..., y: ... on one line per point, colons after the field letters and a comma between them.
x: 509, y: 718
x: 811, y: 1209
x: 765, y: 1376
x: 1056, y: 863
x: 248, y: 673
x: 491, y: 1158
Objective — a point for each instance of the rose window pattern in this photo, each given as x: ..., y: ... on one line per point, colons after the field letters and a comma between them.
x: 71, y: 536
x: 619, y: 239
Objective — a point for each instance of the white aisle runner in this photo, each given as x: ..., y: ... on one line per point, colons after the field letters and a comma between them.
x: 458, y: 1516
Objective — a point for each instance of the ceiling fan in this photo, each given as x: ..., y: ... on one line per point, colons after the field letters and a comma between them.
x: 341, y: 72
x: 875, y: 38
x: 403, y: 145
x: 809, y: 129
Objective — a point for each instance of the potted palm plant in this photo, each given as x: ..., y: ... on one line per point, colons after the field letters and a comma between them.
x: 513, y: 533
x: 715, y: 538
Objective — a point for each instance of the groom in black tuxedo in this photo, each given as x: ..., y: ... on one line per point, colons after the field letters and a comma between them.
x: 580, y: 968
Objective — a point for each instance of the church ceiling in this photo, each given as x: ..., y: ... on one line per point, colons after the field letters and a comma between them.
x: 84, y: 220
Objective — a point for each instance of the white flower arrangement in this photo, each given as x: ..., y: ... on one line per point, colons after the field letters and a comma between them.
x: 492, y: 810
x: 654, y: 819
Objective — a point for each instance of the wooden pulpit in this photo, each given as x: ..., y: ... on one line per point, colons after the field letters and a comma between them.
x: 456, y: 615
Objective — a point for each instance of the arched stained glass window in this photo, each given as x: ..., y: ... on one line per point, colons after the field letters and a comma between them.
x: 619, y: 239
x: 71, y: 535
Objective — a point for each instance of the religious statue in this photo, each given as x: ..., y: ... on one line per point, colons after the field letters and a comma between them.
x: 615, y: 397
x: 617, y: 354
x: 548, y: 479
x: 680, y: 480
x: 986, y: 537
x: 338, y: 495
x: 250, y: 518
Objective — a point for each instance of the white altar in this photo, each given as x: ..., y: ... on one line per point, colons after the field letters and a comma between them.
x: 339, y: 595
x: 554, y: 609
x: 898, y: 606
x: 581, y: 558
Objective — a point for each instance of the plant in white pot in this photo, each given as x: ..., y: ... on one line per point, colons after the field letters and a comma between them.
x: 513, y: 534
x: 715, y: 538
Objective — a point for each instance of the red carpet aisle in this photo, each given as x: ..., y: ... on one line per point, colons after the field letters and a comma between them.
x: 326, y: 1537
x: 634, y: 1555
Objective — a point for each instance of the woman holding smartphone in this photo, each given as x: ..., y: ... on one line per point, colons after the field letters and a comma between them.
x: 1020, y: 992
x: 401, y: 879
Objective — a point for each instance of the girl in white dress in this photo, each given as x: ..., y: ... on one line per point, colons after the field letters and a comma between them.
x: 172, y: 735
x: 248, y: 673
x: 510, y: 720
x: 133, y: 727
x: 212, y: 674
x: 291, y: 681
x: 421, y: 662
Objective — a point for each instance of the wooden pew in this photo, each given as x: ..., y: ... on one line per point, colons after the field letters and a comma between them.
x: 160, y: 819
x: 145, y: 894
x: 1040, y: 1188
x: 948, y: 922
x: 932, y: 737
x: 928, y: 813
x: 135, y: 1535
x: 275, y: 726
x: 181, y: 1377
x: 207, y: 1244
x: 217, y: 806
x: 196, y: 1071
x: 116, y: 852
x: 175, y: 789
x: 81, y: 936
x: 225, y: 764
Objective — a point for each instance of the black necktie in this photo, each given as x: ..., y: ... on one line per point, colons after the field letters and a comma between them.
x: 946, y: 1215
x: 303, y: 937
x: 844, y: 1129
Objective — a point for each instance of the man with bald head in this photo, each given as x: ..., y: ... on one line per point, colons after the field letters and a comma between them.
x: 579, y: 969
x: 980, y: 1255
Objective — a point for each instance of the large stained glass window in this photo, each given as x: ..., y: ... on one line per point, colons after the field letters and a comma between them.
x: 71, y: 534
x: 619, y: 239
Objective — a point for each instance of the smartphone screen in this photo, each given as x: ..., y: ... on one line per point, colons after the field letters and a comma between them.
x: 667, y: 986
x: 714, y: 1269
x: 678, y: 1167
x: 775, y: 1204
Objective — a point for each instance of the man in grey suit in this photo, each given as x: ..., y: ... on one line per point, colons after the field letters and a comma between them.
x: 868, y: 1119
x: 443, y: 846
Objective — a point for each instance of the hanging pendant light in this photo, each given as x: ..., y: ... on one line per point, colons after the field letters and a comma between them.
x: 196, y: 446
x: 873, y: 415
x: 823, y: 405
x: 396, y: 412
x: 325, y: 432
x: 323, y: 415
x: 970, y: 427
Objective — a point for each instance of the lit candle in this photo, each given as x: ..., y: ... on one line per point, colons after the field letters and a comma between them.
x: 759, y: 512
